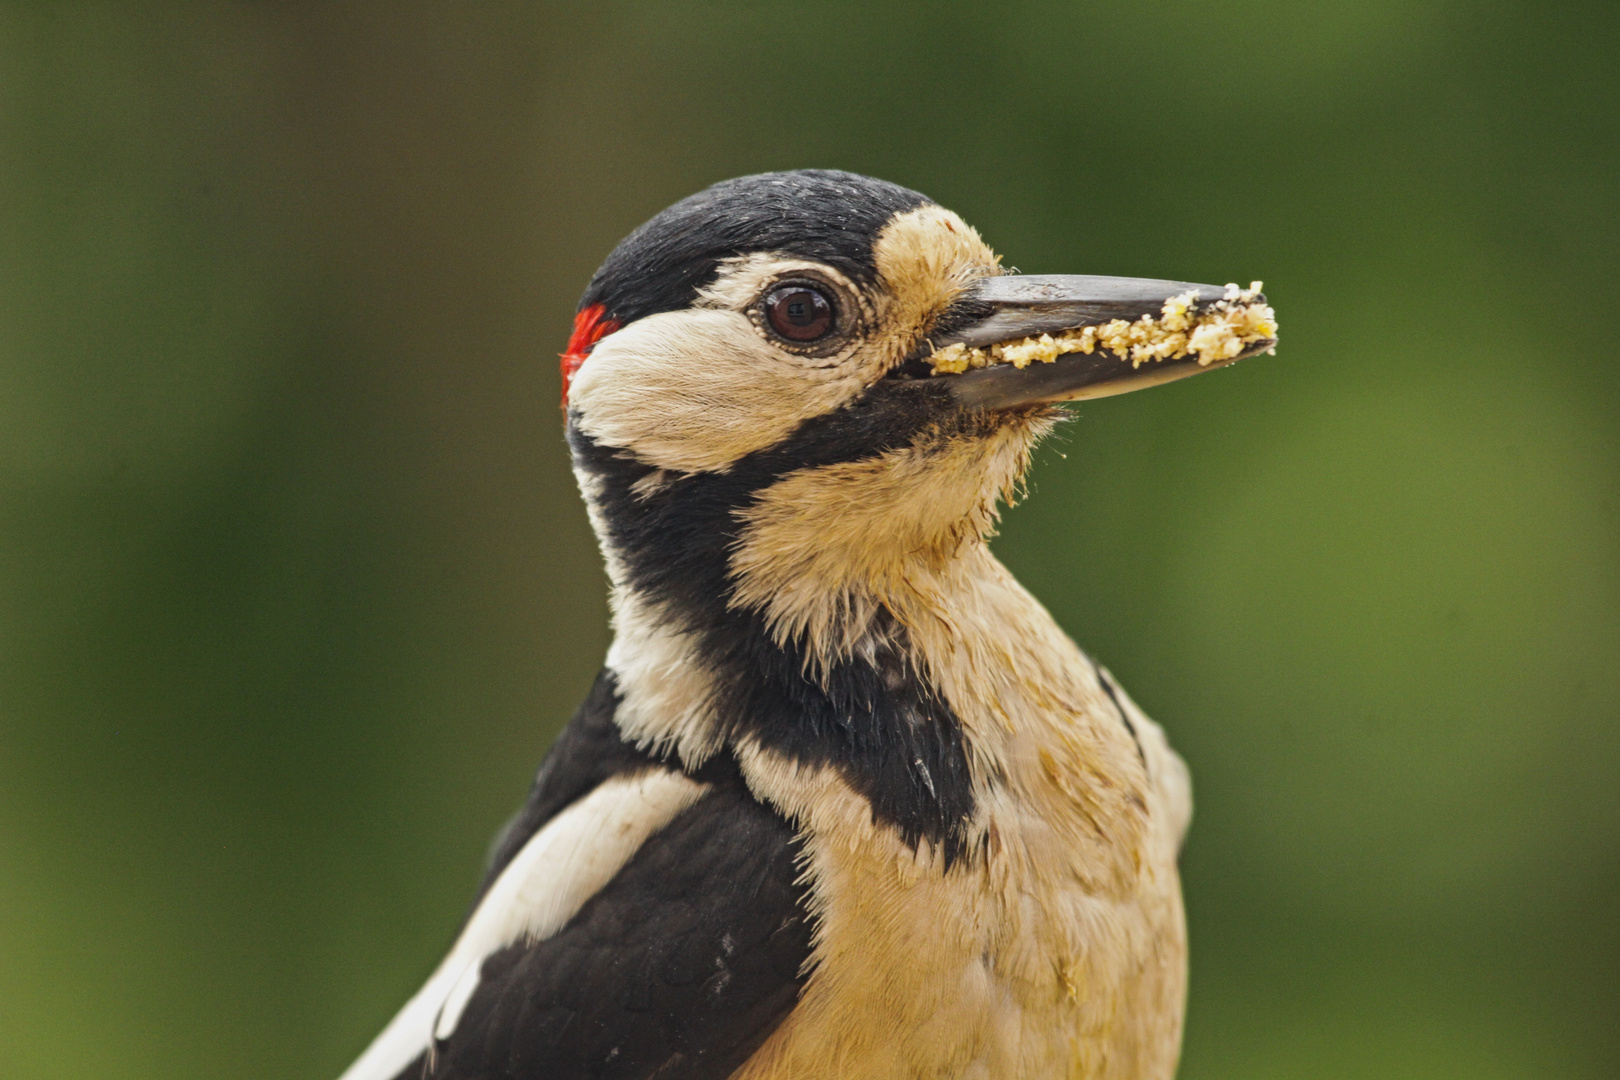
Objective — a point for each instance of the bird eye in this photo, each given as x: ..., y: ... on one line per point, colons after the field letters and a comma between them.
x: 799, y: 312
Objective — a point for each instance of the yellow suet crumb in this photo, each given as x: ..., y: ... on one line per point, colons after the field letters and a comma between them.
x: 1216, y: 332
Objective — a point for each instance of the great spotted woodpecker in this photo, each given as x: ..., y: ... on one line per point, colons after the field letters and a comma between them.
x: 844, y: 802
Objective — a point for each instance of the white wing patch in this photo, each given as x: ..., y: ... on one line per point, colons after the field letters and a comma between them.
x: 546, y: 883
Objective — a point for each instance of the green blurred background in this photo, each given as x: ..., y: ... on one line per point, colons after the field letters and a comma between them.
x: 295, y: 587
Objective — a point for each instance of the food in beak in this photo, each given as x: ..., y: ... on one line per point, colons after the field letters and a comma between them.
x: 1210, y: 332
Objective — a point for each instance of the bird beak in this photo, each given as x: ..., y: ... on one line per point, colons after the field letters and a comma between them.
x: 1019, y: 340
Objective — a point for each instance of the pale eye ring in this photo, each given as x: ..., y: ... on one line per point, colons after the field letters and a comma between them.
x: 800, y: 312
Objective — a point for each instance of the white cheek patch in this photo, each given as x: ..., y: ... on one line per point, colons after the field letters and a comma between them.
x: 561, y: 867
x: 695, y: 390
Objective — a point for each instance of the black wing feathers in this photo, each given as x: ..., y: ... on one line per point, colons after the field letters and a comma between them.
x: 678, y: 969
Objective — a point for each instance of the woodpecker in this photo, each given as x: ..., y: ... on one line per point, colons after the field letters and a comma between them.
x: 844, y: 801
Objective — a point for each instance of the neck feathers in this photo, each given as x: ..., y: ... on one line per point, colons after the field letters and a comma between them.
x: 780, y: 603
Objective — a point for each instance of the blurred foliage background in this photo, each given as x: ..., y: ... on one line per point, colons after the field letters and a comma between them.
x: 295, y: 587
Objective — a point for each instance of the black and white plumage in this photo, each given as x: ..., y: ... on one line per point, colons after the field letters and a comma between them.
x: 844, y: 801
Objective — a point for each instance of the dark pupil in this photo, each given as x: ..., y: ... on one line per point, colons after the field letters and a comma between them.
x: 799, y: 313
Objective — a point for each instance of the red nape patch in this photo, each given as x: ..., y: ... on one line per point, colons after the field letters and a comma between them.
x: 590, y: 326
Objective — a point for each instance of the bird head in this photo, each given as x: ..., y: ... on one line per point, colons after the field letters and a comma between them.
x: 796, y: 393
